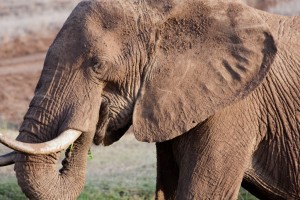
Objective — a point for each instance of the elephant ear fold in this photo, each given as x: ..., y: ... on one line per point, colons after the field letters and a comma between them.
x: 209, y: 56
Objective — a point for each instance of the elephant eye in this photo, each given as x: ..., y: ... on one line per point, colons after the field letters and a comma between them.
x: 103, y: 69
x: 97, y: 65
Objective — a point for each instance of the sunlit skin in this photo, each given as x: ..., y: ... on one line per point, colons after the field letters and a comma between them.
x: 212, y: 82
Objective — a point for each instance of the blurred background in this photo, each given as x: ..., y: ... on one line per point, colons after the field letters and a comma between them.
x: 126, y: 169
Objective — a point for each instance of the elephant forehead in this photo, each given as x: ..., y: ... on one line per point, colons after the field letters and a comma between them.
x: 105, y: 44
x: 107, y: 30
x: 107, y: 14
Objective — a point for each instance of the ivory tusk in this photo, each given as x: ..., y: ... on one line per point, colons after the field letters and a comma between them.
x: 63, y: 141
x: 7, y: 159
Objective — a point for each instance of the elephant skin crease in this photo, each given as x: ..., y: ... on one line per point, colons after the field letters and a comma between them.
x: 213, y: 82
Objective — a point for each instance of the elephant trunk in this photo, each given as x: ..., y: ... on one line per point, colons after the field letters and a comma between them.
x: 39, y: 178
x: 64, y: 99
x: 38, y: 175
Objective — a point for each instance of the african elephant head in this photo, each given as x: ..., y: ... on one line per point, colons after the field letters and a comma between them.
x: 161, y: 66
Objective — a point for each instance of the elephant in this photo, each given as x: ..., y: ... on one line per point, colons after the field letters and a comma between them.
x: 214, y: 83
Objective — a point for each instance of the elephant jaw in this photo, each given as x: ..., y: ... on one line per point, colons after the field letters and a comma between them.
x: 104, y: 134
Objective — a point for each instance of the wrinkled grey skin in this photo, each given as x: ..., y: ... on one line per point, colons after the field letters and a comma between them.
x: 254, y: 142
x: 214, y: 83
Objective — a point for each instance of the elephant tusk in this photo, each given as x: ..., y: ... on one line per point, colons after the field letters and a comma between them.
x: 7, y: 159
x: 63, y: 141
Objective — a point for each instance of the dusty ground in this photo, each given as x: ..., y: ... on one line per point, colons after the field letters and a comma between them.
x: 18, y: 78
x: 27, y: 28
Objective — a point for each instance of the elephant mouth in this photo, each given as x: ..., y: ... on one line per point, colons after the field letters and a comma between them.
x: 113, y: 136
x: 106, y: 131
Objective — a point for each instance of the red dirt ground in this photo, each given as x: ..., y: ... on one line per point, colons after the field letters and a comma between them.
x: 17, y: 81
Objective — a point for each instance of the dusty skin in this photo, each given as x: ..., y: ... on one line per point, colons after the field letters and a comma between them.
x: 214, y: 83
x: 27, y: 31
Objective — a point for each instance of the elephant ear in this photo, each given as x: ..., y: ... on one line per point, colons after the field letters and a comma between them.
x: 209, y: 56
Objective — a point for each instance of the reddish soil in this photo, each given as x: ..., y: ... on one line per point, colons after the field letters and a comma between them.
x: 17, y: 82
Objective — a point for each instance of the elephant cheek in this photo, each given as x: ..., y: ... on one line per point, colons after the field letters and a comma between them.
x: 83, y: 114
